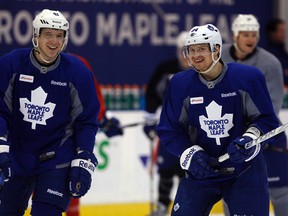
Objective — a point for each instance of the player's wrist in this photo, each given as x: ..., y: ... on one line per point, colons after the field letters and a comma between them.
x: 187, y: 155
x: 4, y: 148
x: 252, y: 132
x: 3, y: 139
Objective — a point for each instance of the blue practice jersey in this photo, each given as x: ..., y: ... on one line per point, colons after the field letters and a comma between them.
x: 271, y: 68
x: 213, y: 113
x: 46, y: 109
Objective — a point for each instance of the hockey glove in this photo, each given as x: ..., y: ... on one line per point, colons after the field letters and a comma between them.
x: 237, y: 151
x: 82, y: 168
x: 150, y: 131
x: 5, y: 162
x: 151, y: 120
x: 111, y: 127
x: 198, y: 163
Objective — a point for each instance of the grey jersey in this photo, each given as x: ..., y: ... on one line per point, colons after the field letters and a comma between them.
x: 270, y: 67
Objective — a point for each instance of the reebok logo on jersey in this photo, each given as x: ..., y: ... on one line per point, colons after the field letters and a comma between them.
x: 54, y: 192
x: 196, y: 100
x: 58, y: 83
x: 26, y: 78
x: 230, y: 94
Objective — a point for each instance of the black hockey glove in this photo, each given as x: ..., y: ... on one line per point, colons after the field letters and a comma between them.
x: 5, y: 162
x: 151, y: 120
x: 82, y: 167
x: 150, y: 131
x: 111, y: 127
x: 198, y: 163
x: 237, y: 151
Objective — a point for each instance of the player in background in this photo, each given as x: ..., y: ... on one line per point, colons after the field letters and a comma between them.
x: 245, y: 29
x: 276, y: 39
x: 167, y: 164
x: 212, y: 109
x: 110, y: 126
x: 48, y: 122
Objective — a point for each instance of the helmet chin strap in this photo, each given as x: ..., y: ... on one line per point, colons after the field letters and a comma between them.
x: 47, y: 62
x: 209, y: 69
x: 35, y: 44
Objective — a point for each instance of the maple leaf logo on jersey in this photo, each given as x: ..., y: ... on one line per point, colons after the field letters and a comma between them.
x: 36, y: 111
x: 216, y: 125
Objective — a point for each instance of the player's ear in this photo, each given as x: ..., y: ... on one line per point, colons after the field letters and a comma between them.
x: 216, y: 48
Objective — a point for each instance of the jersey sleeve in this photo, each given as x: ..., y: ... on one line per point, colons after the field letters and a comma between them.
x: 258, y: 105
x: 173, y: 126
x: 274, y: 79
x: 5, y: 99
x: 85, y: 109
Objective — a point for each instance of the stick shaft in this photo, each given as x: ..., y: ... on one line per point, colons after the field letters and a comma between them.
x: 139, y: 123
x: 260, y: 139
x: 132, y: 124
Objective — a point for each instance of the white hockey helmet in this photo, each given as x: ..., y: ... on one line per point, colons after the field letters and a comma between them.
x: 205, y: 34
x: 50, y: 19
x: 180, y: 40
x: 245, y: 22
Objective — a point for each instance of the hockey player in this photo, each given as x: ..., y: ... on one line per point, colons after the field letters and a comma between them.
x: 48, y: 122
x: 110, y: 125
x: 212, y: 109
x: 168, y: 164
x: 111, y: 128
x: 245, y: 29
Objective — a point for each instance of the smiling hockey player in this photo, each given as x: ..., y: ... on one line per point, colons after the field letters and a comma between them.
x: 209, y: 110
x: 48, y: 122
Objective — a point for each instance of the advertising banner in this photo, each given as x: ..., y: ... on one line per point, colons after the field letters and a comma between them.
x: 124, y: 40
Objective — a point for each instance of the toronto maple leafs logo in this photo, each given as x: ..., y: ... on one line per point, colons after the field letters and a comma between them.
x: 216, y: 125
x: 36, y: 111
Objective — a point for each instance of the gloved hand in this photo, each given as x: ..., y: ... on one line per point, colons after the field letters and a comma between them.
x: 237, y: 151
x: 82, y: 168
x: 151, y: 120
x: 150, y: 131
x: 198, y: 163
x: 111, y: 127
x: 5, y: 162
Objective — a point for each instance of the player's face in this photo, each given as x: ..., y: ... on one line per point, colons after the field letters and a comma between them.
x: 280, y: 35
x: 247, y: 41
x: 50, y: 43
x: 200, y: 56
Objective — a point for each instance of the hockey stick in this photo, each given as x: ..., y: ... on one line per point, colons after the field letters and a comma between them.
x: 153, y: 144
x: 135, y: 124
x: 106, y: 128
x: 260, y: 139
x: 139, y: 123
